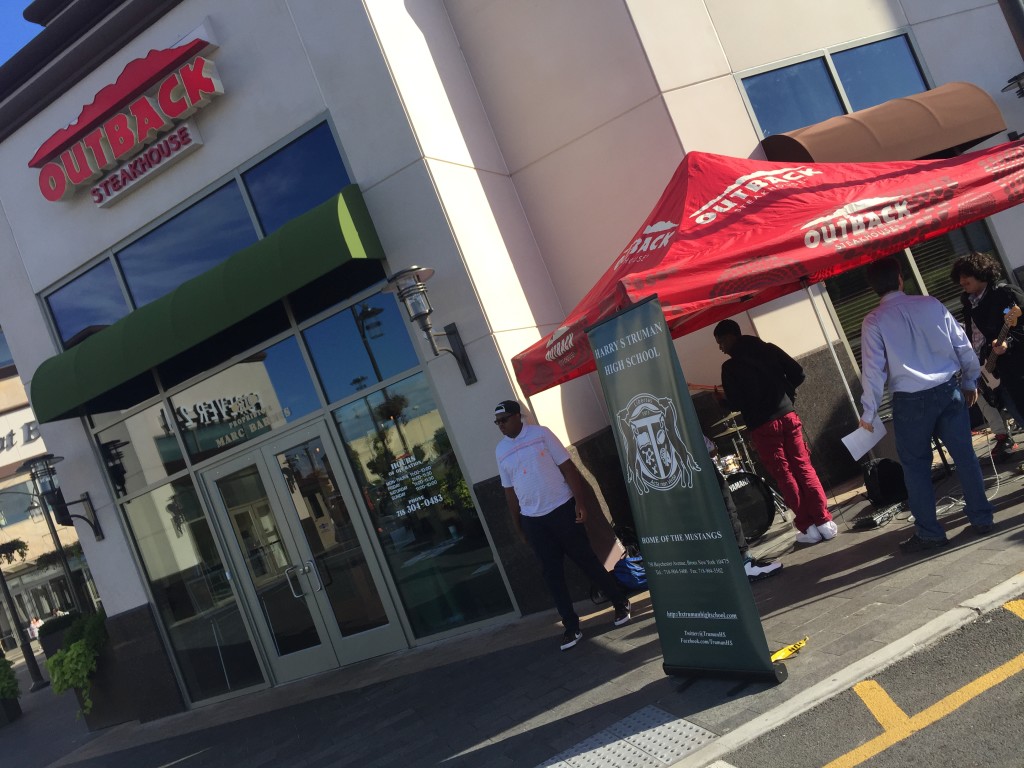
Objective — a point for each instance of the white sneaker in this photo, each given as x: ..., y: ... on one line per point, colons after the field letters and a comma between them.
x: 811, y: 536
x: 761, y: 569
x: 828, y: 530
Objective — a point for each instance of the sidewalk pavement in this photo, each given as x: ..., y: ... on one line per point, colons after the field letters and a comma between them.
x: 506, y: 696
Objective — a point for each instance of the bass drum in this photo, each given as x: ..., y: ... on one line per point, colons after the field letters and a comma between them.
x: 754, y: 505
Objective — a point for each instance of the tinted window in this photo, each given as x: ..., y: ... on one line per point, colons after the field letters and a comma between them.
x: 6, y: 359
x: 360, y: 346
x: 792, y: 97
x: 17, y: 503
x: 296, y: 178
x: 192, y: 591
x: 421, y: 507
x: 874, y: 73
x: 192, y: 242
x: 88, y: 303
x: 140, y: 451
x: 261, y: 393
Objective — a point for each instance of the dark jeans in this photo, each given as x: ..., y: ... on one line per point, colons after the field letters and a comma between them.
x: 939, y: 411
x: 553, y: 537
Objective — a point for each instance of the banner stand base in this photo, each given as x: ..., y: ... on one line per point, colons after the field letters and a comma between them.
x: 777, y: 674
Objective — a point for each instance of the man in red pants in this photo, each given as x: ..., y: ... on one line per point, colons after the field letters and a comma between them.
x: 760, y: 381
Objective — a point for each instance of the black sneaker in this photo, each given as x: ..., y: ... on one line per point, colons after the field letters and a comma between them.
x: 1004, y: 449
x: 570, y: 638
x: 916, y: 544
x: 622, y: 614
x: 983, y: 529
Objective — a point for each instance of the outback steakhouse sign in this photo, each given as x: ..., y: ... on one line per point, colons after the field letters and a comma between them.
x: 133, y: 129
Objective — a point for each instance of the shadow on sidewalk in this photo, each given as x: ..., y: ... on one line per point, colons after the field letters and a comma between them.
x: 48, y: 728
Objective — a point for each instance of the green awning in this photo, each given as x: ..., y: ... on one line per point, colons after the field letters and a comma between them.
x: 304, y: 249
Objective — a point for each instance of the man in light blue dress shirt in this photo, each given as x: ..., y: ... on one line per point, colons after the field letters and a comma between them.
x: 932, y: 370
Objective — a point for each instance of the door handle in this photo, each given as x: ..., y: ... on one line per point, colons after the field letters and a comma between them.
x: 311, y: 566
x: 291, y: 585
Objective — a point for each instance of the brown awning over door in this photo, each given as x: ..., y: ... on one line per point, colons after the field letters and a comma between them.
x: 941, y: 122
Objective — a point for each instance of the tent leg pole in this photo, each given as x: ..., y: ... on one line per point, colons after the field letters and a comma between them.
x: 832, y: 349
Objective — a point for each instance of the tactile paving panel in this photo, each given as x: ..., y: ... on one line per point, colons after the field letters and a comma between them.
x: 649, y: 738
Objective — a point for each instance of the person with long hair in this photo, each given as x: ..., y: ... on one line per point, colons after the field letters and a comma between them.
x: 988, y: 303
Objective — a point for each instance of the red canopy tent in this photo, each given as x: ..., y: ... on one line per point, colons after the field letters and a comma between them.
x: 729, y: 234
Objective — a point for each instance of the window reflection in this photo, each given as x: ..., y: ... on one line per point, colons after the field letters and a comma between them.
x: 421, y: 507
x: 360, y: 346
x: 191, y: 591
x: 874, y: 73
x: 89, y: 303
x: 140, y: 451
x: 296, y: 178
x: 6, y: 358
x: 261, y: 393
x: 341, y: 567
x: 194, y: 241
x: 792, y: 97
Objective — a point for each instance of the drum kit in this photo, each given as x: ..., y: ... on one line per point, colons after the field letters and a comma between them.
x: 756, y: 501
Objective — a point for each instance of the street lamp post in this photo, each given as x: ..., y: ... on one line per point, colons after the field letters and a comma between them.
x: 47, y: 490
x: 23, y: 639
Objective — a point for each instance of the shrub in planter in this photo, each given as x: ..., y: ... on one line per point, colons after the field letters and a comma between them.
x: 10, y: 709
x: 9, y: 688
x: 72, y: 667
x: 57, y: 623
x: 51, y: 634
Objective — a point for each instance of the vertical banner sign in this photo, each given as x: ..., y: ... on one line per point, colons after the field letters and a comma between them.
x: 707, y: 621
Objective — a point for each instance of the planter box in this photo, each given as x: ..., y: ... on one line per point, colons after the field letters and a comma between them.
x: 10, y: 710
x: 52, y: 642
x: 113, y: 693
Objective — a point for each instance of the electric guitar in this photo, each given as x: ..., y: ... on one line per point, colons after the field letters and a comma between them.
x: 988, y: 370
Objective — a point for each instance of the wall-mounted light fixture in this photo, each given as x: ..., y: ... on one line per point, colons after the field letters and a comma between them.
x: 410, y: 286
x: 44, y: 478
x: 1015, y: 84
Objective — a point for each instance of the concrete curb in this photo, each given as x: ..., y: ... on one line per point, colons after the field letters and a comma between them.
x: 929, y: 634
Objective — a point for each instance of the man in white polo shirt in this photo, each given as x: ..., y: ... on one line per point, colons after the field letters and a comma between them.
x: 546, y: 495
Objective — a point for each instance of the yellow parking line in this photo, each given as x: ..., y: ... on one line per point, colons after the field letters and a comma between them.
x: 886, y: 711
x: 897, y: 726
x: 1015, y: 607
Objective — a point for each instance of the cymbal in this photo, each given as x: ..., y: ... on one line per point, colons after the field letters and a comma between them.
x: 729, y: 417
x: 730, y: 431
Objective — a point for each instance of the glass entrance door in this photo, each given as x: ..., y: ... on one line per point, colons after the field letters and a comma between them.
x: 299, y: 551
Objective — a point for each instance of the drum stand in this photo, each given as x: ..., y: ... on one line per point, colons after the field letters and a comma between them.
x: 735, y: 433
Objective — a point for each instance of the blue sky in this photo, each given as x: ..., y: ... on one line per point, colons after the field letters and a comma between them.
x: 14, y: 30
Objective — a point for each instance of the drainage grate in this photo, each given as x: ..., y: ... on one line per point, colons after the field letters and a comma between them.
x: 649, y: 738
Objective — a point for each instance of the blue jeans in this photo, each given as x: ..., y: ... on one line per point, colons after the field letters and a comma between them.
x: 939, y: 411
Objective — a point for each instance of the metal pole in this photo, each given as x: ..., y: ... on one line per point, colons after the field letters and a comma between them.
x: 1013, y: 10
x: 58, y: 547
x: 828, y: 343
x: 23, y: 639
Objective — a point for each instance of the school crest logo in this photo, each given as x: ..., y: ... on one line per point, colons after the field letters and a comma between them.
x: 658, y: 457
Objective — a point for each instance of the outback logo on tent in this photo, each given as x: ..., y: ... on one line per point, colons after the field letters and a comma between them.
x: 747, y: 189
x: 559, y: 344
x: 659, y: 459
x: 855, y: 219
x: 656, y: 236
